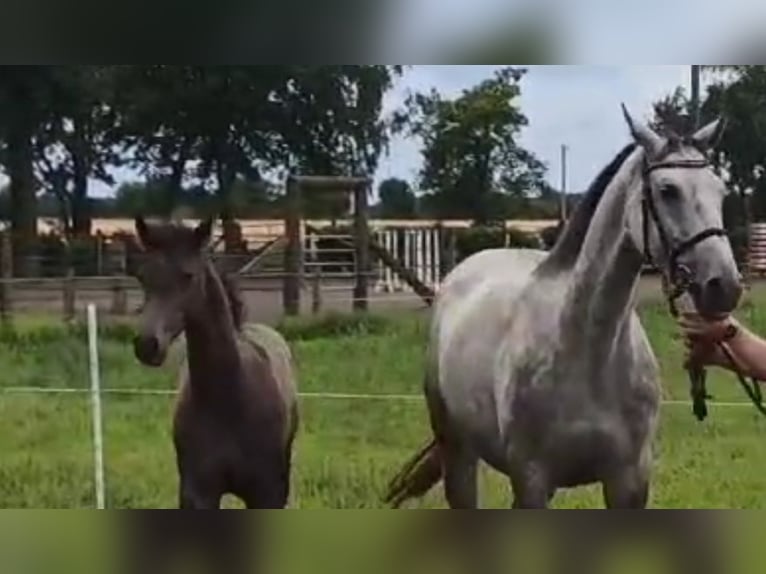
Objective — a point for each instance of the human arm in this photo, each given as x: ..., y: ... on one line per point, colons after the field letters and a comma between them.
x: 702, y: 336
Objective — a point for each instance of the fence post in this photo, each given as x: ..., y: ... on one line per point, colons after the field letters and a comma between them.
x: 316, y: 290
x: 6, y: 290
x: 69, y: 294
x: 291, y: 290
x: 99, y: 253
x: 95, y: 389
x: 119, y: 295
x: 361, y: 247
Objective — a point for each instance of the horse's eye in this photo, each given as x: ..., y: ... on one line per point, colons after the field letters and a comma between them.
x: 670, y: 191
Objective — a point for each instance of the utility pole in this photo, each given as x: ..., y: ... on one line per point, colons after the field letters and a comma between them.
x: 562, y: 196
x: 695, y: 97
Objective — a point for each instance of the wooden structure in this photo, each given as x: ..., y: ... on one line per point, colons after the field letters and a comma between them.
x: 297, y: 186
x: 756, y: 263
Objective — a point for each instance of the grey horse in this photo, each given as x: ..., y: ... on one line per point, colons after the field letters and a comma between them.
x: 538, y: 363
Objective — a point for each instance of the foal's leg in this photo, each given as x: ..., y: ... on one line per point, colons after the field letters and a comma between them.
x: 269, y: 486
x: 198, y: 495
x: 627, y: 489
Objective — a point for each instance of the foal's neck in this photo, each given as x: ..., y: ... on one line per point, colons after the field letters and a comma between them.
x: 606, y: 275
x: 211, y: 335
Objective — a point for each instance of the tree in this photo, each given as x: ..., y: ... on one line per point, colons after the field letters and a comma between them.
x: 672, y: 114
x: 737, y: 93
x: 76, y: 141
x: 25, y: 94
x: 202, y: 122
x: 472, y: 161
x: 222, y: 126
x: 397, y: 200
x: 327, y: 120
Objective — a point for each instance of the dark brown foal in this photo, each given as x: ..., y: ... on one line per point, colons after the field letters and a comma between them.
x: 236, y: 415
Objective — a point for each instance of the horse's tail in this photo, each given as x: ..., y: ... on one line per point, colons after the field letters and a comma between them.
x: 421, y: 473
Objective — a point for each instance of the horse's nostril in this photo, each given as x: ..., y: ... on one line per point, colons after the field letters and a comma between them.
x: 146, y: 348
x: 714, y: 286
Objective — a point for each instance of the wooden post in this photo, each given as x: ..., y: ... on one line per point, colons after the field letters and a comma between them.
x: 291, y: 293
x: 316, y: 290
x: 69, y: 294
x: 99, y: 254
x: 119, y: 294
x: 6, y: 289
x: 361, y: 247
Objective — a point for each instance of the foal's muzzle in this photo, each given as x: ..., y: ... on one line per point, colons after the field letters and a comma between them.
x: 148, y: 350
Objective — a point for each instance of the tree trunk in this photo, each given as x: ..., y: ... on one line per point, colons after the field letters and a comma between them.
x: 23, y: 197
x: 225, y: 178
x: 81, y: 215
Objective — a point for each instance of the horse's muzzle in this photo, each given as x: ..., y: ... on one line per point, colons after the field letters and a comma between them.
x: 717, y: 296
x: 148, y: 350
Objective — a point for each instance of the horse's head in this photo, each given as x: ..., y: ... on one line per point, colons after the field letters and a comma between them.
x: 172, y: 279
x: 678, y: 222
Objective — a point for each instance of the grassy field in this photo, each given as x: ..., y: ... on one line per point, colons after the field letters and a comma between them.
x: 348, y: 448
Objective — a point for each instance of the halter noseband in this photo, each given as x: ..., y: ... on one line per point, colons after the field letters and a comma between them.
x: 676, y: 280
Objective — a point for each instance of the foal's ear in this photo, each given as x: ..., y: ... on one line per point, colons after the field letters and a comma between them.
x: 652, y: 143
x: 203, y: 232
x: 708, y: 136
x: 143, y: 232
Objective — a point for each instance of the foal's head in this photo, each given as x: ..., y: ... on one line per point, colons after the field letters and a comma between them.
x: 679, y: 220
x: 172, y: 277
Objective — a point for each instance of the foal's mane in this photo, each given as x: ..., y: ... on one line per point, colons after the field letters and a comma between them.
x: 234, y: 296
x: 567, y: 248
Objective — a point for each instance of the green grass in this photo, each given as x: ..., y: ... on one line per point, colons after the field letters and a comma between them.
x: 347, y: 448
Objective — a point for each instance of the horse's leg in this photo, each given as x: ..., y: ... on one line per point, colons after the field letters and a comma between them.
x: 627, y: 489
x: 460, y: 477
x: 531, y: 488
x: 198, y: 495
x: 270, y: 487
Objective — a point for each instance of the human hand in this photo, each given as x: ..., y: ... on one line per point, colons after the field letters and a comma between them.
x: 701, y: 337
x: 696, y: 328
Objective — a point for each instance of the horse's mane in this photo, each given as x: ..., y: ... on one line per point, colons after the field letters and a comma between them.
x: 234, y: 296
x: 567, y: 248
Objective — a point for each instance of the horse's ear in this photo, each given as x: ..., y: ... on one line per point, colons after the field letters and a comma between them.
x: 203, y: 232
x: 143, y: 233
x: 708, y: 136
x: 644, y: 136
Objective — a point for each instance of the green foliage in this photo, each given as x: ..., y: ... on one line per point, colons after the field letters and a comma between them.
x: 202, y: 135
x: 397, y: 200
x: 470, y: 149
x: 737, y: 93
x: 335, y: 324
x: 237, y: 122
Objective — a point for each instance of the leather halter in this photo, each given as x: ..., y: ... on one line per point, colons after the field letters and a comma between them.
x: 677, y: 280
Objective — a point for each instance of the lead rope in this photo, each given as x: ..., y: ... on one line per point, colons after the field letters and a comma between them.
x: 698, y: 375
